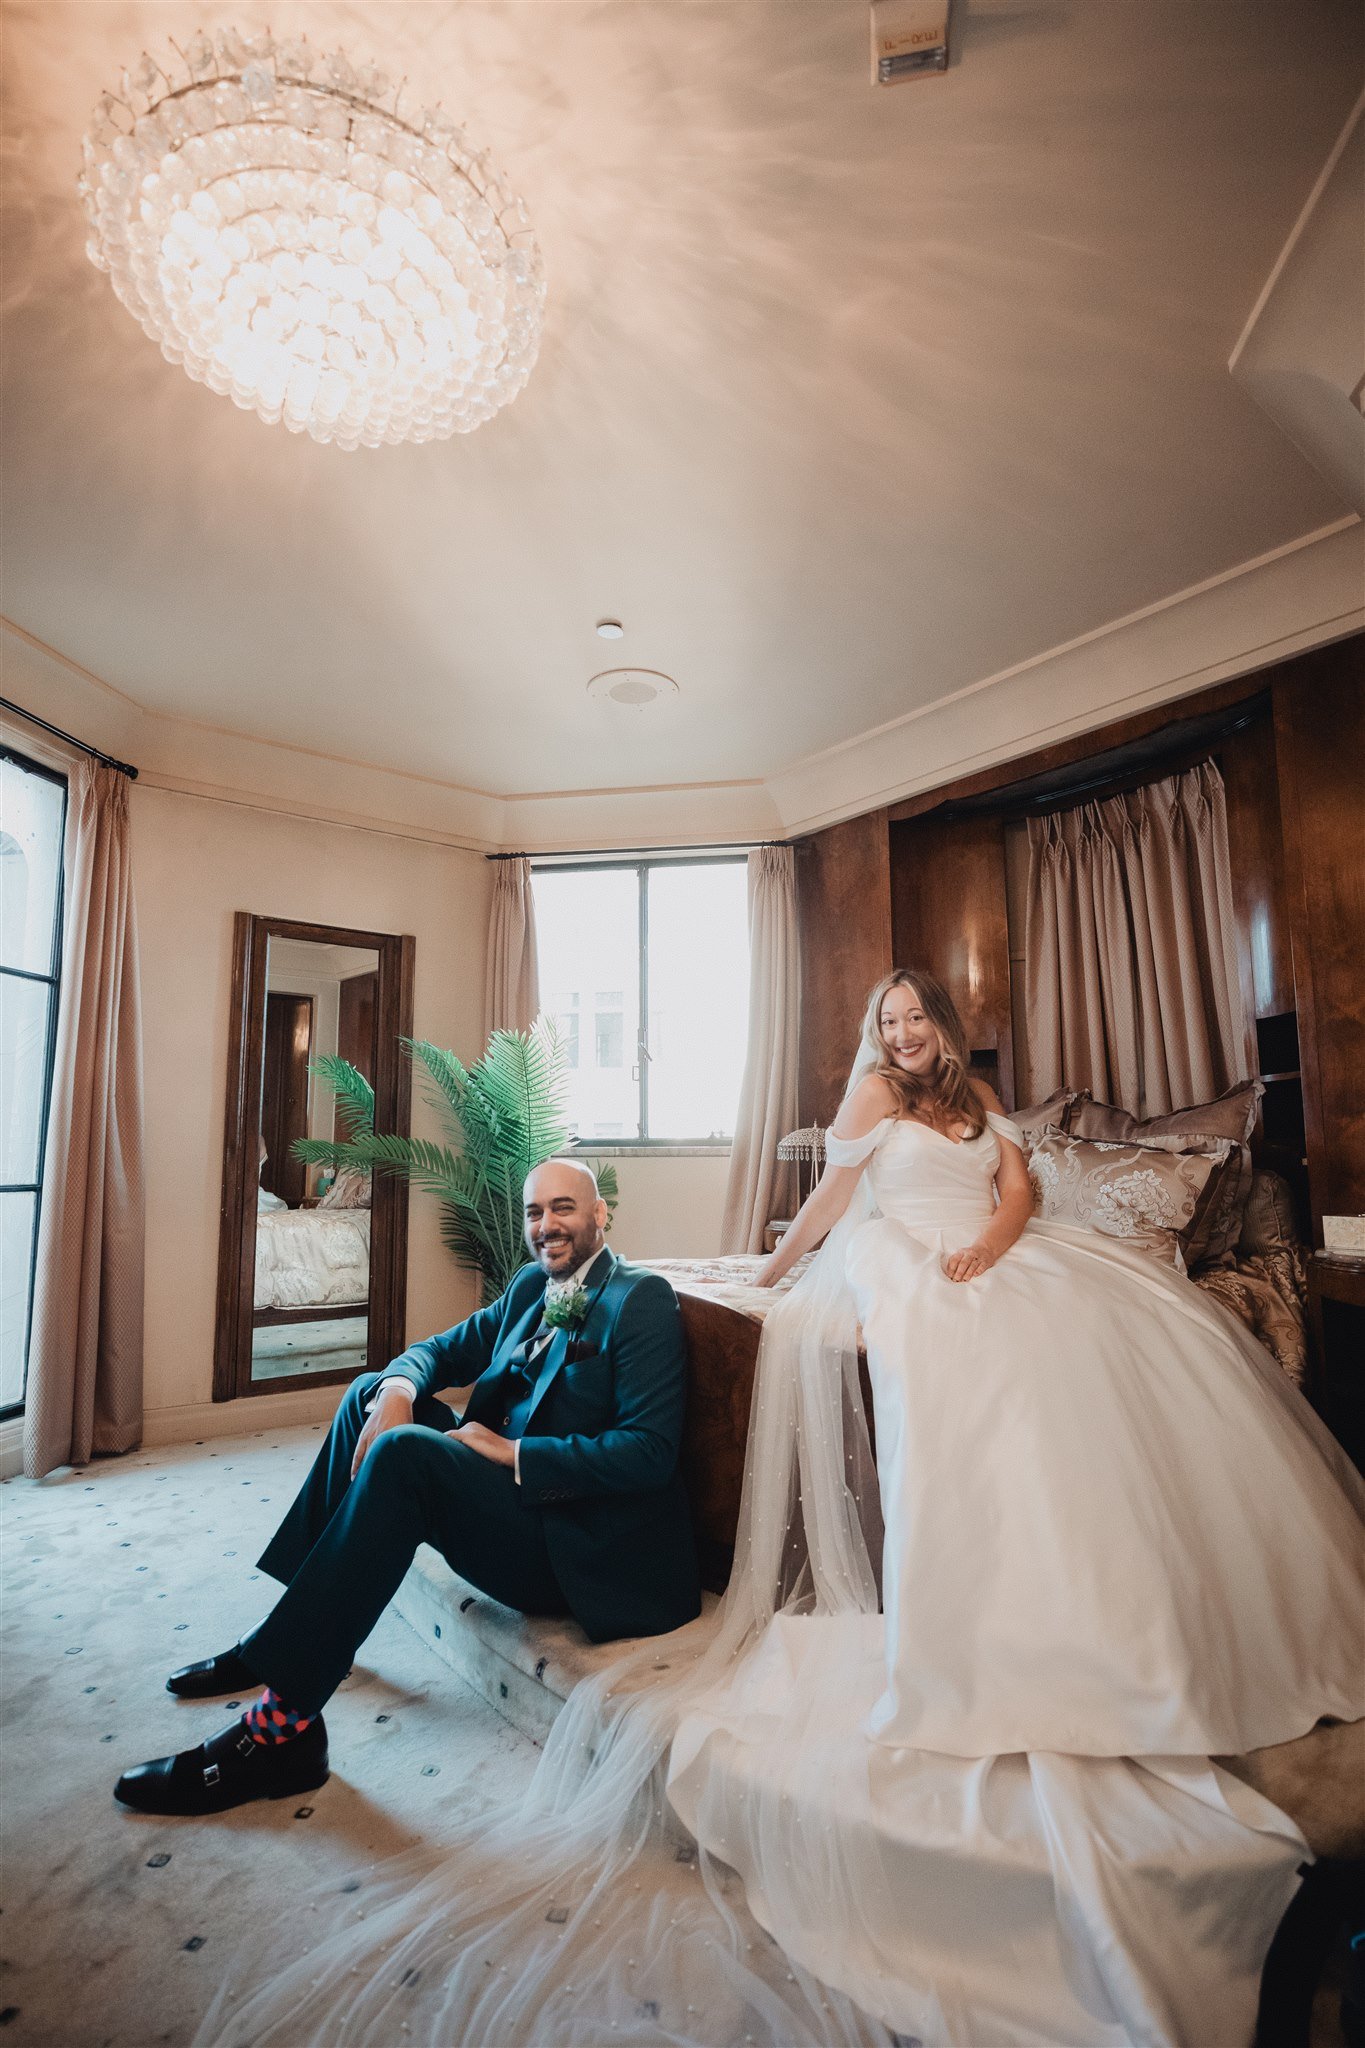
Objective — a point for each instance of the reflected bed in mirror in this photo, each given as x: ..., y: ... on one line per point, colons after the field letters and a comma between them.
x: 312, y: 1261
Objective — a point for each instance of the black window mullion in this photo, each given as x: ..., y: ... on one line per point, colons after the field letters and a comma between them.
x: 53, y: 982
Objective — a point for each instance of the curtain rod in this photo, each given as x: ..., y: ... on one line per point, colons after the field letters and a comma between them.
x: 96, y: 753
x: 642, y: 853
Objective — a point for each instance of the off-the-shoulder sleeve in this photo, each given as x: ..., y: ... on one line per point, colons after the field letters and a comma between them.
x: 1006, y: 1129
x: 853, y: 1151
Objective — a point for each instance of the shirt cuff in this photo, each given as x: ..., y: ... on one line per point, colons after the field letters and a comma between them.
x: 397, y: 1379
x: 516, y: 1461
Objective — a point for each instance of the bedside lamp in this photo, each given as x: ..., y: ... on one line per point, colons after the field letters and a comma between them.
x: 807, y: 1147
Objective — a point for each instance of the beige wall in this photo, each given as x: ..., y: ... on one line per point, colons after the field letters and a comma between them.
x: 196, y: 861
x: 669, y: 1208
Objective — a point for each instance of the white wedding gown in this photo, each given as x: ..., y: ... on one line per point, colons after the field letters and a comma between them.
x: 1118, y: 1544
x: 978, y: 1811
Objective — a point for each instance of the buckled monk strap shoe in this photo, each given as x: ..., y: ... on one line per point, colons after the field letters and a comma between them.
x: 213, y: 1675
x: 227, y: 1771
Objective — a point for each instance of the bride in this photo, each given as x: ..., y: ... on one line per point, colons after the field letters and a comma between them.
x: 948, y: 1776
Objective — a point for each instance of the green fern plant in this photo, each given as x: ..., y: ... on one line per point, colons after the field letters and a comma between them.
x: 502, y: 1117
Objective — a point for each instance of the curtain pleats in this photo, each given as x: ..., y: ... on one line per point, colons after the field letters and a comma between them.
x: 767, y: 1097
x: 85, y: 1356
x: 1132, y: 987
x: 512, y: 981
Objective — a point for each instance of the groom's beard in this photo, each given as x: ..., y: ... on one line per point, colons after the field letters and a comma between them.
x: 562, y: 1249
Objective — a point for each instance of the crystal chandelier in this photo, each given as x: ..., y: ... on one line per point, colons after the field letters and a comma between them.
x: 302, y: 239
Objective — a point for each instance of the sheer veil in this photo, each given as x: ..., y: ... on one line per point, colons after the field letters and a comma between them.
x: 582, y: 1911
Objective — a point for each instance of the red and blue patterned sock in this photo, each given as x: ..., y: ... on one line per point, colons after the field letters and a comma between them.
x: 271, y: 1720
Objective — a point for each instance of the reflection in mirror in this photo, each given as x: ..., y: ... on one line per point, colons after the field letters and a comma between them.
x: 312, y: 1266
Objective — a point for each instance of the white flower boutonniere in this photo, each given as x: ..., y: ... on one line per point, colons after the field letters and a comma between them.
x: 567, y: 1308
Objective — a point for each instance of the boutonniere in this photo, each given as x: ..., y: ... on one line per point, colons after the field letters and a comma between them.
x: 568, y: 1309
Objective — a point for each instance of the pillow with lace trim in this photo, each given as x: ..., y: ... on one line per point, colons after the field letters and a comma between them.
x: 1150, y: 1195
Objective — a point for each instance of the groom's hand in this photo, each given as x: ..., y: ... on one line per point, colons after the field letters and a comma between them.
x: 499, y: 1450
x: 393, y: 1406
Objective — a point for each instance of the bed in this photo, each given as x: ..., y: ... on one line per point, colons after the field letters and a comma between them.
x: 312, y: 1259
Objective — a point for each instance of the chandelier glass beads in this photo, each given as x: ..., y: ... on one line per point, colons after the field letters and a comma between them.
x: 302, y: 240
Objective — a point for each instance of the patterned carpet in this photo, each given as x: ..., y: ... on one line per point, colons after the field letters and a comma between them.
x: 116, y: 1929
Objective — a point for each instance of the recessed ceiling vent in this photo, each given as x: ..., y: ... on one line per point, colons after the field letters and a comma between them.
x: 909, y: 38
x: 633, y: 687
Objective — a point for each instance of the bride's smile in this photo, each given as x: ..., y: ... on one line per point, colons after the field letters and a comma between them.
x: 907, y: 1033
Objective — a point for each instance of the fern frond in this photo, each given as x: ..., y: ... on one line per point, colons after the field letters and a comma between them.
x: 447, y: 1078
x: 353, y: 1093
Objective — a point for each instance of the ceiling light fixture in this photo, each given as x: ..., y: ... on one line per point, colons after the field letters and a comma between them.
x: 633, y: 687
x: 303, y: 238
x: 610, y: 629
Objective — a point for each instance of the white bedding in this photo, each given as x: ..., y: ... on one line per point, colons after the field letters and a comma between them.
x: 312, y: 1258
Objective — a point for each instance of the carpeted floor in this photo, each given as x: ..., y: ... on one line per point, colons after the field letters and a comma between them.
x: 116, y: 1929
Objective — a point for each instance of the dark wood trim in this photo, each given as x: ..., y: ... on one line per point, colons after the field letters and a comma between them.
x: 238, y: 1122
x: 277, y: 1318
x: 387, y: 1305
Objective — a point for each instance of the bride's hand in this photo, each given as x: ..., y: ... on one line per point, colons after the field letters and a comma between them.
x: 968, y: 1264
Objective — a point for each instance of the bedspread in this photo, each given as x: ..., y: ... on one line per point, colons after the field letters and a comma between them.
x: 1268, y: 1293
x: 312, y: 1258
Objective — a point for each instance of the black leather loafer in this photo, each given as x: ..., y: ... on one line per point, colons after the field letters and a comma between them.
x: 213, y: 1675
x: 227, y: 1771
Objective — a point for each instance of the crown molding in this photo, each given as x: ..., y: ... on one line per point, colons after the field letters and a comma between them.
x: 1282, y: 603
x: 1298, y: 596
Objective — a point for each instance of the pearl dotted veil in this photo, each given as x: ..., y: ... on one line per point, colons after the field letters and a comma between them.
x: 583, y: 1912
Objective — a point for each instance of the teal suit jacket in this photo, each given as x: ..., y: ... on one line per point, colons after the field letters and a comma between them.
x: 599, y: 1414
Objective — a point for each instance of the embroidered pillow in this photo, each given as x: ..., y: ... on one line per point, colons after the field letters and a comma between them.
x: 1232, y: 1115
x: 1152, y: 1196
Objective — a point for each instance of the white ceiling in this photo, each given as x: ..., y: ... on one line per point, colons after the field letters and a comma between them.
x: 847, y: 398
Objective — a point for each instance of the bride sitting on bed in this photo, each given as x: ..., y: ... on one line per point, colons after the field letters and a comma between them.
x: 1112, y: 1531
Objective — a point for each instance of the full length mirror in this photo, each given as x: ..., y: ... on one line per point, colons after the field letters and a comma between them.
x: 311, y: 1263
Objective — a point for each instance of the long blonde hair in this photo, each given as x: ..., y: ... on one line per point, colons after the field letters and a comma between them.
x: 948, y: 1094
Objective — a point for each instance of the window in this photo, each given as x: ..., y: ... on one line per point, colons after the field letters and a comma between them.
x: 32, y: 823
x: 654, y: 957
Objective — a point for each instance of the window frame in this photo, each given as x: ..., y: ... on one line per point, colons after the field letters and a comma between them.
x: 641, y: 865
x: 13, y: 1409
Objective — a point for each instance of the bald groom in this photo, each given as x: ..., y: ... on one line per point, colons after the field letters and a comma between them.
x: 556, y: 1491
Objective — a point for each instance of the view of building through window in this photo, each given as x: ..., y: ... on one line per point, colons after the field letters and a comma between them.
x: 666, y: 942
x: 32, y: 817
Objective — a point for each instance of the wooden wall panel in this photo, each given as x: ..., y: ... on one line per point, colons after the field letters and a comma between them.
x: 1320, y: 741
x: 949, y: 914
x: 844, y: 905
x: 1256, y: 846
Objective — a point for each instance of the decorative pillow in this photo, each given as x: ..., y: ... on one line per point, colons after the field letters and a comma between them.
x: 350, y: 1190
x: 1230, y: 1115
x: 1213, y: 1240
x: 1270, y: 1220
x: 1056, y: 1111
x: 1151, y: 1195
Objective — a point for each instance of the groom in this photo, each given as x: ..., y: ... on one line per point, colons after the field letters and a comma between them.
x: 556, y: 1491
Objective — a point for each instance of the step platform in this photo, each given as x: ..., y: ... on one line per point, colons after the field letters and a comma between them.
x: 524, y: 1666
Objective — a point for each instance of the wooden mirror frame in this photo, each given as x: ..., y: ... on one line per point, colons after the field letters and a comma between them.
x: 387, y: 1308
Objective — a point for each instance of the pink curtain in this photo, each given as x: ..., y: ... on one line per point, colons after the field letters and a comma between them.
x: 85, y: 1356
x: 512, y: 982
x: 1131, y: 984
x: 767, y: 1096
